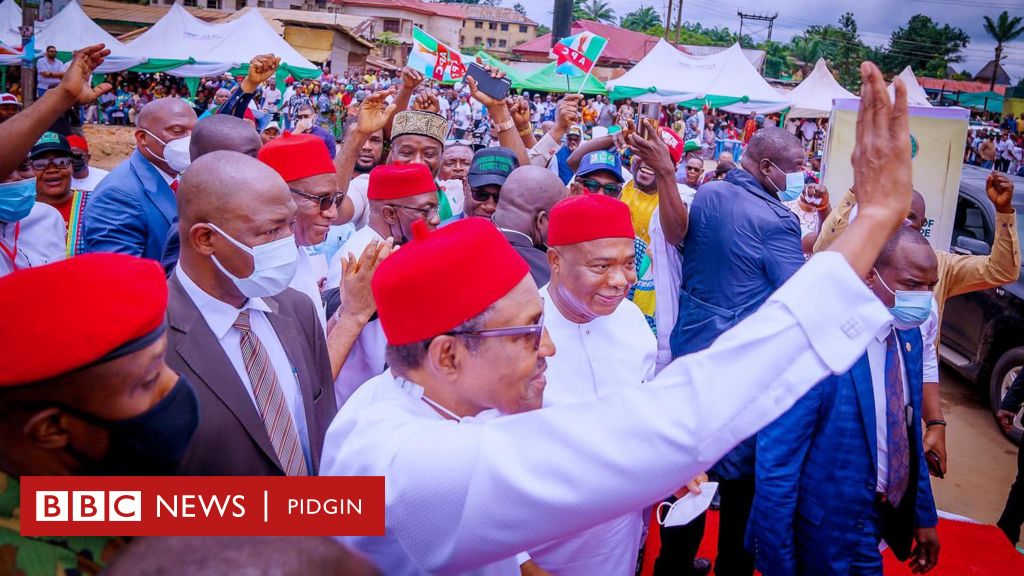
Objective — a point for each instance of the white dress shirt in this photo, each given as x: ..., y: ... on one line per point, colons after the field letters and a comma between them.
x: 357, y: 188
x: 220, y: 317
x: 467, y: 497
x: 876, y: 358
x: 307, y: 280
x: 668, y: 277
x: 591, y: 360
x: 90, y: 182
x: 41, y: 238
x: 366, y: 359
x: 930, y: 338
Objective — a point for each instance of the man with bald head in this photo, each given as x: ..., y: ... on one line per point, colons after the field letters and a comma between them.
x: 131, y: 211
x: 742, y: 244
x: 522, y: 215
x: 252, y: 347
x: 212, y: 133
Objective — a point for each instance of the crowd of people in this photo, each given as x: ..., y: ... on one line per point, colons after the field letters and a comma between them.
x: 1000, y: 149
x: 534, y: 341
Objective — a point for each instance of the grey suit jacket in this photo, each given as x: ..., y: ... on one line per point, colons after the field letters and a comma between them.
x: 231, y: 439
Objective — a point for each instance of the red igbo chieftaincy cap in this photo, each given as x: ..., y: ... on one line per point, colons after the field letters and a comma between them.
x: 394, y: 181
x: 119, y: 306
x: 426, y: 289
x: 76, y: 141
x: 588, y: 217
x: 297, y: 156
x: 675, y: 143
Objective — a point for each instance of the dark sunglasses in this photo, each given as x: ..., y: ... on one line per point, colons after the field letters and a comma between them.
x: 61, y: 162
x: 693, y: 169
x: 481, y: 195
x: 593, y: 186
x: 536, y: 329
x: 323, y: 202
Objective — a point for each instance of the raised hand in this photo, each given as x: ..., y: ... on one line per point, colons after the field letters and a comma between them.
x: 261, y: 68
x: 567, y: 112
x: 375, y: 112
x: 427, y: 100
x: 1000, y: 191
x: 356, y: 296
x: 77, y: 80
x: 648, y: 145
x: 411, y: 78
x: 881, y: 156
x: 519, y: 107
x: 474, y: 88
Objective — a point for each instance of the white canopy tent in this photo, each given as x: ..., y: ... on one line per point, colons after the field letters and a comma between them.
x: 916, y: 96
x: 70, y: 30
x: 212, y: 48
x: 667, y: 75
x: 813, y: 97
x: 10, y: 35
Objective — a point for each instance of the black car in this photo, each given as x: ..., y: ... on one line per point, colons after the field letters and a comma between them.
x: 983, y: 332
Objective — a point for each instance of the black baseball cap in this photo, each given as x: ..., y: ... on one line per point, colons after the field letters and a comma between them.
x: 491, y: 166
x: 50, y: 142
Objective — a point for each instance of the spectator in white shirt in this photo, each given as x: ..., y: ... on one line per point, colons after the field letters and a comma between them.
x: 49, y: 71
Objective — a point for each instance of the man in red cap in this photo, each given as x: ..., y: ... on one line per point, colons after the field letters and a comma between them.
x: 253, y: 348
x: 469, y: 488
x: 93, y: 397
x: 398, y: 194
x: 304, y: 164
x: 84, y: 177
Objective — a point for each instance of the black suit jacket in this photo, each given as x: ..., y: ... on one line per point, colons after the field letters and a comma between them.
x: 231, y: 439
x: 536, y: 258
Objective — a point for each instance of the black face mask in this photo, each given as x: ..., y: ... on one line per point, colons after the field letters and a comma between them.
x: 149, y: 444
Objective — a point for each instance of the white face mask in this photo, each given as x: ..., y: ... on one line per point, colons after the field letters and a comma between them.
x: 274, y: 265
x: 684, y: 510
x: 176, y: 152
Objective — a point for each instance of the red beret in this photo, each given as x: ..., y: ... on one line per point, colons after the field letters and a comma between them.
x: 675, y: 143
x: 296, y: 156
x: 394, y: 181
x: 588, y: 217
x: 76, y: 141
x: 426, y: 288
x: 72, y: 313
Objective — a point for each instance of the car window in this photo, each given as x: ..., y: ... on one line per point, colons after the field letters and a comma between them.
x: 970, y: 221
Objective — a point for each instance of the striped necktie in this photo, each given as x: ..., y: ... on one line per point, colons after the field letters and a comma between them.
x: 896, y: 424
x: 270, y: 400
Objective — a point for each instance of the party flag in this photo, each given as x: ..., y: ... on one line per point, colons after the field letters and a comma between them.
x: 577, y: 54
x: 434, y: 59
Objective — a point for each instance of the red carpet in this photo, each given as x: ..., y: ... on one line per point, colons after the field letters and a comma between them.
x: 967, y: 550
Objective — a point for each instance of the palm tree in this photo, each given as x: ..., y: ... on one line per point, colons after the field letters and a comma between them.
x: 1002, y: 30
x: 596, y: 10
x: 805, y: 51
x: 642, y: 19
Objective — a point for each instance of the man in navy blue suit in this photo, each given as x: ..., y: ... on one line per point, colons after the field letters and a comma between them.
x: 845, y: 469
x: 132, y: 209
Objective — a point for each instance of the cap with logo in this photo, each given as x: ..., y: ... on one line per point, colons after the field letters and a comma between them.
x: 50, y: 142
x: 601, y: 160
x: 575, y: 130
x: 491, y: 166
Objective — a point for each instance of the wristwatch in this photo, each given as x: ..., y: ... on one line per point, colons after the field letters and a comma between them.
x: 503, y: 126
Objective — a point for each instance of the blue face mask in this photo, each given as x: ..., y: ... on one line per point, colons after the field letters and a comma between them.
x: 794, y: 185
x: 912, y: 306
x: 17, y: 199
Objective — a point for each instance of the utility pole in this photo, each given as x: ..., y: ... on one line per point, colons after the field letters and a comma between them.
x: 561, y: 23
x: 28, y: 67
x: 758, y: 29
x: 679, y: 20
x: 668, y: 18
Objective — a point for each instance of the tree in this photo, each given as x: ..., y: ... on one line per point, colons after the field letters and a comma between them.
x: 596, y: 10
x: 843, y: 49
x: 386, y: 42
x: 777, y: 60
x: 805, y: 51
x: 641, y: 19
x: 519, y: 8
x: 925, y: 46
x: 542, y: 30
x: 1002, y: 30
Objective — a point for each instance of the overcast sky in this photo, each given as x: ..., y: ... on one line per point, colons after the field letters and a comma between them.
x: 876, y: 19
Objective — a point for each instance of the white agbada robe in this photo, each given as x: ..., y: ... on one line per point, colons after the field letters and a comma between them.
x: 307, y: 277
x: 591, y: 360
x: 366, y: 359
x: 465, y: 498
x: 668, y: 277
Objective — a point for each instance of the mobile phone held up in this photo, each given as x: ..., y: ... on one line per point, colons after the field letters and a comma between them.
x: 496, y: 88
x: 650, y: 110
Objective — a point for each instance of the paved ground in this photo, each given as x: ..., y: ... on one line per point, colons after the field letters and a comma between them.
x: 982, y: 462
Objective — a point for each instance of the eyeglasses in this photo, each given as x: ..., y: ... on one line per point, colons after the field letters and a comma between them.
x: 61, y: 162
x: 323, y: 202
x: 593, y: 186
x: 481, y: 195
x: 537, y: 330
x: 433, y: 210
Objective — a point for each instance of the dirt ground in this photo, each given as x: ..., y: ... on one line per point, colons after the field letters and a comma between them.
x: 109, y: 145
